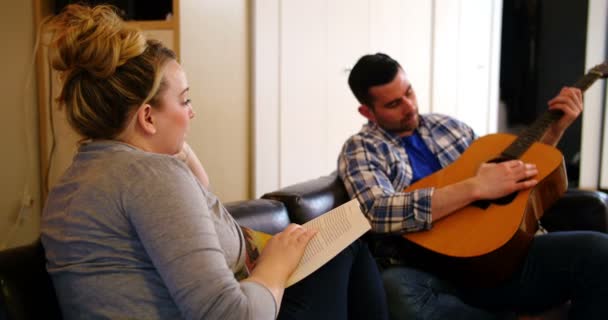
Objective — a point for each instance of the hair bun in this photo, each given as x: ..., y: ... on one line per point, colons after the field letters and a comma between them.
x: 92, y: 39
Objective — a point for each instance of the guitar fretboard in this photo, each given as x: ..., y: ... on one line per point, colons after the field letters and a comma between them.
x: 535, y: 132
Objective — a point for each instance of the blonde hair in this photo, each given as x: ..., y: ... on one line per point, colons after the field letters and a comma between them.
x: 107, y: 67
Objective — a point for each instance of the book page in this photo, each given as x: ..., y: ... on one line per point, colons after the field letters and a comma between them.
x: 337, y: 229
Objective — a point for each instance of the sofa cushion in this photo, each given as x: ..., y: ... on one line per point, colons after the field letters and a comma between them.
x: 264, y: 215
x: 578, y: 210
x: 307, y: 200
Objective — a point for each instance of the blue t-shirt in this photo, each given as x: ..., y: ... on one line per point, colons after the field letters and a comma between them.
x: 423, y: 162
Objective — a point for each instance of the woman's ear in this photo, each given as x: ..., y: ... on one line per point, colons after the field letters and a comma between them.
x: 367, y: 112
x: 145, y: 119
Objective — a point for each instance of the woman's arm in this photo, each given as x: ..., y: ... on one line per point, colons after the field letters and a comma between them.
x: 189, y: 243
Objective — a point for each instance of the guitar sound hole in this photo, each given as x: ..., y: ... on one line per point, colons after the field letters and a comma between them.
x: 484, y: 204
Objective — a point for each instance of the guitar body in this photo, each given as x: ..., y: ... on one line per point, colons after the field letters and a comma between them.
x: 483, y: 245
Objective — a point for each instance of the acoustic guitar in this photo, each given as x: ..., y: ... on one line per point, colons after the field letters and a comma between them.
x: 484, y: 242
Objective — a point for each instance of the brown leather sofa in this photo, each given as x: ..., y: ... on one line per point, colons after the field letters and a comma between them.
x: 26, y: 291
x: 576, y: 210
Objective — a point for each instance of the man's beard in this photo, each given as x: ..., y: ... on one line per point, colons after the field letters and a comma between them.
x: 405, y: 126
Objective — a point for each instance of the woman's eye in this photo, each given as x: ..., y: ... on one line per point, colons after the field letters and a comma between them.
x: 187, y: 102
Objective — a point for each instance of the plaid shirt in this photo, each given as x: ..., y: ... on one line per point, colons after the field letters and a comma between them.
x: 376, y: 169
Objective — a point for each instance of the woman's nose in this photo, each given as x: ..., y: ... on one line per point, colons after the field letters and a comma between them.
x: 192, y: 113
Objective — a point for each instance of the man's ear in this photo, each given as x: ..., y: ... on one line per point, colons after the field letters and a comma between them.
x: 367, y: 112
x: 145, y: 119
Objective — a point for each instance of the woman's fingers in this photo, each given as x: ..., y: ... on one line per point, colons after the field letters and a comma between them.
x: 297, y: 233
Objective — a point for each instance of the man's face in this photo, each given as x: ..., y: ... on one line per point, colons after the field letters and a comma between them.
x: 395, y: 108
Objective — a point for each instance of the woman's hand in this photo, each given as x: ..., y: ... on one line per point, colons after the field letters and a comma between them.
x: 188, y: 156
x: 280, y: 257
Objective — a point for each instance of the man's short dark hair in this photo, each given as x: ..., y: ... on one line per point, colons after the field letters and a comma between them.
x: 371, y: 70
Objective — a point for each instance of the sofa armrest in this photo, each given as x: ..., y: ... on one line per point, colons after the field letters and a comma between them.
x: 264, y: 215
x: 578, y: 210
x: 310, y: 199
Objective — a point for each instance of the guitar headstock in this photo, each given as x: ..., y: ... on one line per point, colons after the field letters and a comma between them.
x: 601, y: 70
x: 598, y: 72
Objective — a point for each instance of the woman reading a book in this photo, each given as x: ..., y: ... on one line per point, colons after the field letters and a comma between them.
x: 131, y: 232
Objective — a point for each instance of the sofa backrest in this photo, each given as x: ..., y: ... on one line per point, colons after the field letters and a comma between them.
x: 264, y: 215
x: 307, y: 200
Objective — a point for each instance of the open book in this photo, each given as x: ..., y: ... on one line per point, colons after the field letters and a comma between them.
x: 337, y: 229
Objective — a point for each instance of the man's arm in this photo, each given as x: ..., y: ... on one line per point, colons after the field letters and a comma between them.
x: 491, y: 181
x: 496, y: 180
x: 378, y: 179
x: 570, y: 102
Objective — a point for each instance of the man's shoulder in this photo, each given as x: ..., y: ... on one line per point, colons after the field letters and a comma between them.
x: 443, y: 120
x: 438, y: 118
x: 369, y: 134
x: 369, y: 140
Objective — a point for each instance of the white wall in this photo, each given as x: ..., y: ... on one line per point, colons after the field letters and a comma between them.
x: 303, y: 108
x: 18, y: 126
x: 215, y: 54
x: 594, y: 163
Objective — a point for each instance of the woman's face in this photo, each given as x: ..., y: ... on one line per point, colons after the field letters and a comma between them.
x: 174, y: 111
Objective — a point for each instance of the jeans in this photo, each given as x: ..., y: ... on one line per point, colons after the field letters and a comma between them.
x: 347, y: 287
x: 560, y: 267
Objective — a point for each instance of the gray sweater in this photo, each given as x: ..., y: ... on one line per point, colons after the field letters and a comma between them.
x: 132, y: 235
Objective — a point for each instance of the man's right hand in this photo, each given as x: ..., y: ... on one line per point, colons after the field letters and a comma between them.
x: 495, y: 180
x: 492, y: 181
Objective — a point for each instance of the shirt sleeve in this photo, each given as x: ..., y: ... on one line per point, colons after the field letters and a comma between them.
x: 371, y: 176
x: 168, y: 210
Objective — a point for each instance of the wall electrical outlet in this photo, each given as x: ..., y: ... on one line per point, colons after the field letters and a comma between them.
x: 28, y: 200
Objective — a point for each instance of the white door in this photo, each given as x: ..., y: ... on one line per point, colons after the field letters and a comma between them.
x: 594, y: 144
x: 465, y: 63
x: 303, y: 108
x: 318, y: 40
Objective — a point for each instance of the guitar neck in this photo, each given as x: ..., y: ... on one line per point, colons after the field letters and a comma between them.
x: 535, y: 132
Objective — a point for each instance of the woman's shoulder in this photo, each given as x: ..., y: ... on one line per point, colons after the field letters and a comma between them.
x: 123, y: 159
x: 111, y: 167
